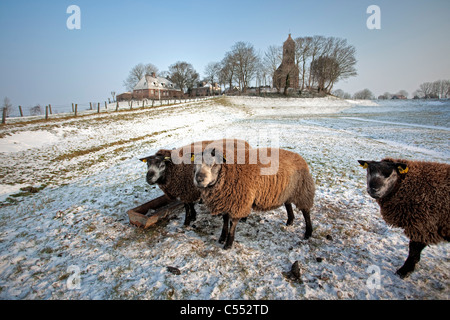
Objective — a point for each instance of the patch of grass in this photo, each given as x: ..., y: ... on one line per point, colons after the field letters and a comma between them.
x: 46, y: 250
x: 24, y: 192
x: 78, y: 153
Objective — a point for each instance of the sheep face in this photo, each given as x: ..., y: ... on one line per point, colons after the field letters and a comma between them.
x: 383, y: 176
x: 156, y: 167
x: 207, y: 172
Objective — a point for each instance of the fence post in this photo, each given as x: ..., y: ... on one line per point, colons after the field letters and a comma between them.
x: 98, y: 107
x: 90, y: 105
x: 20, y: 110
x: 73, y: 110
x: 4, y: 116
x: 76, y: 109
x: 50, y: 108
x: 117, y: 105
x: 46, y: 112
x: 106, y: 105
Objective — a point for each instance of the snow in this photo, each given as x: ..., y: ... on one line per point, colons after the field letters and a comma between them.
x: 76, y: 227
x: 26, y: 140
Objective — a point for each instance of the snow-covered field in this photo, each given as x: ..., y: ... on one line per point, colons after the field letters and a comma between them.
x: 71, y: 239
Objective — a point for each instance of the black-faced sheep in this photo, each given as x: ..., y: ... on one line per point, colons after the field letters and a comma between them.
x: 172, y: 170
x: 260, y: 179
x: 415, y: 196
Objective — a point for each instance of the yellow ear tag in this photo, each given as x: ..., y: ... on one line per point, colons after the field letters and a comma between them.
x: 403, y: 171
x: 144, y: 160
x: 365, y: 166
x: 192, y: 158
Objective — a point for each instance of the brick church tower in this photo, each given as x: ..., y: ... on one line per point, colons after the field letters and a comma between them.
x: 286, y: 76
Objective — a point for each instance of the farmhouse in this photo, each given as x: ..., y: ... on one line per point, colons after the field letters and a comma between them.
x: 205, y: 89
x: 153, y: 87
x: 126, y: 96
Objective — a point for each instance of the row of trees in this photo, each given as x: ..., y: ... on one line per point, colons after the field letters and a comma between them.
x: 322, y: 61
x: 439, y: 89
x: 180, y: 73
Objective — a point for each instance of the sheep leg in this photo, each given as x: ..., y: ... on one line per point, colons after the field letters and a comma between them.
x: 187, y: 217
x: 290, y: 214
x: 230, y: 237
x: 307, y: 218
x: 193, y: 215
x: 224, y: 234
x: 415, y: 248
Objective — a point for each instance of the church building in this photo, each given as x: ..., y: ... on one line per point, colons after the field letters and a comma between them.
x: 287, y: 74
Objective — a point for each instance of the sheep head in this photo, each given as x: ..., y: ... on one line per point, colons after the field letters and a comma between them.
x: 156, y: 166
x: 206, y: 171
x: 383, y: 176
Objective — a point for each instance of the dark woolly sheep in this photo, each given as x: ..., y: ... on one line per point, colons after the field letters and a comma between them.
x: 415, y: 196
x: 172, y: 170
x: 259, y: 179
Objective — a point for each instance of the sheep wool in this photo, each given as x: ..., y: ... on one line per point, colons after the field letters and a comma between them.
x: 239, y: 188
x: 421, y: 202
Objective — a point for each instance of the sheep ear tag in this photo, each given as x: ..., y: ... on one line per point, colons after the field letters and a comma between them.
x: 363, y: 164
x: 403, y: 170
x: 144, y: 160
x: 168, y: 159
x: 192, y: 158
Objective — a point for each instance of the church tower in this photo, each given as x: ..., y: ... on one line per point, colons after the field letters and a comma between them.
x: 286, y: 76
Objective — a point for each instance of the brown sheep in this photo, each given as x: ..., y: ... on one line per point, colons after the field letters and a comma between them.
x: 172, y: 170
x: 414, y: 196
x: 259, y: 179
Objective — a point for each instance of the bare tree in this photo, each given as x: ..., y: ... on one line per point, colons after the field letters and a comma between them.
x: 447, y: 90
x: 7, y: 106
x: 387, y: 95
x: 212, y: 71
x: 440, y: 88
x: 227, y: 71
x: 364, y: 94
x: 344, y: 55
x: 302, y: 55
x: 309, y: 49
x: 426, y: 89
x: 272, y: 59
x: 403, y: 93
x: 325, y: 71
x: 183, y: 75
x: 136, y: 74
x: 246, y: 63
x: 36, y: 110
x: 317, y: 43
x: 437, y: 89
x: 342, y: 94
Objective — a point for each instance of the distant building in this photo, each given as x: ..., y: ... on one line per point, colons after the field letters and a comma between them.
x: 205, y: 89
x: 126, y: 96
x: 153, y: 87
x: 287, y: 74
x: 398, y: 96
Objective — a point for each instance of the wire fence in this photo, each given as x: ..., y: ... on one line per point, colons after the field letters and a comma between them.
x: 19, y: 114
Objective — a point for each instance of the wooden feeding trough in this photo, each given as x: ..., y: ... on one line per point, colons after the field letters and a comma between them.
x: 153, y: 211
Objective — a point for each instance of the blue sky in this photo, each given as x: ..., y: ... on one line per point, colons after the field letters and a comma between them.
x: 42, y: 61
